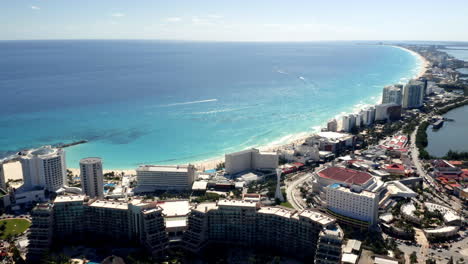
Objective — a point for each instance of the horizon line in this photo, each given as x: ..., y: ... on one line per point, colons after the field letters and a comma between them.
x: 230, y: 41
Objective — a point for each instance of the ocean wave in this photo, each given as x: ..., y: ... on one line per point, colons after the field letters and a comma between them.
x: 219, y: 111
x: 191, y: 102
x: 287, y: 139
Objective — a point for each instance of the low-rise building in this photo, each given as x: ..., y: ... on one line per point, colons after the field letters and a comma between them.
x: 441, y: 232
x: 395, y: 169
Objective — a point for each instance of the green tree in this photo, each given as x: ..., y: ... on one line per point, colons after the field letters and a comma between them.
x: 220, y: 166
x: 413, y: 258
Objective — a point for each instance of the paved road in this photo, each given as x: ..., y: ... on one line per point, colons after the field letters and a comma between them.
x: 415, y: 158
x: 293, y: 193
x: 428, y: 180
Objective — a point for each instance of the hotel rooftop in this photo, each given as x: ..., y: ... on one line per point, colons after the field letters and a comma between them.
x: 69, y: 198
x: 109, y: 204
x: 163, y: 168
x: 345, y: 175
x: 238, y: 203
x: 175, y: 208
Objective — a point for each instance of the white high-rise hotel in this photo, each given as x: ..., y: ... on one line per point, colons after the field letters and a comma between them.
x: 413, y: 94
x: 91, y: 177
x: 44, y: 167
x: 392, y: 94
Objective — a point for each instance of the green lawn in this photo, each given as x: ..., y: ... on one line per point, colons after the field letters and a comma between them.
x: 14, y: 227
x: 286, y: 204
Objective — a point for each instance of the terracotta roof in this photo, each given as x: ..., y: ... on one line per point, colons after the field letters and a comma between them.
x: 395, y: 166
x: 345, y: 175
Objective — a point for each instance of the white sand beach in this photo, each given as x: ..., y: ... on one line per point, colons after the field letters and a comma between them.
x: 425, y: 63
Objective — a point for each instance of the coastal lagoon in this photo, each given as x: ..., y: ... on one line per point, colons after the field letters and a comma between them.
x: 159, y: 102
x: 461, y: 53
x: 452, y: 135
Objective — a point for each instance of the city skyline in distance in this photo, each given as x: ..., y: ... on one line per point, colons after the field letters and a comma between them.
x: 233, y: 21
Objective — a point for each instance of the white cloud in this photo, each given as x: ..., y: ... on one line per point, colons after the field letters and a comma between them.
x: 201, y: 20
x: 215, y: 16
x: 35, y: 8
x: 173, y: 19
x: 118, y: 15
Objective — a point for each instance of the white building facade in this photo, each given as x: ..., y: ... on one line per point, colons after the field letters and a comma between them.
x: 250, y: 159
x: 353, y: 202
x: 368, y: 116
x: 44, y: 167
x: 381, y: 111
x: 413, y: 94
x: 392, y: 94
x: 92, y: 179
x: 164, y: 177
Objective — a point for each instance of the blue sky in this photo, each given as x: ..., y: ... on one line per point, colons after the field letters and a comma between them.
x: 222, y: 20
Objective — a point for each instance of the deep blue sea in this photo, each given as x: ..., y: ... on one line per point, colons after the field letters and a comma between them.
x: 160, y: 102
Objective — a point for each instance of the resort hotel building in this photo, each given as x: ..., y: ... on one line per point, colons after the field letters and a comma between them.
x: 162, y: 225
x: 392, y: 94
x: 386, y: 112
x: 151, y: 178
x: 92, y: 181
x: 353, y: 202
x: 349, y: 195
x: 413, y: 94
x: 250, y: 159
x: 44, y: 168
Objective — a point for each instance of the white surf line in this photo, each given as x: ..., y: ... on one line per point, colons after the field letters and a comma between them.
x: 193, y: 102
x: 282, y: 72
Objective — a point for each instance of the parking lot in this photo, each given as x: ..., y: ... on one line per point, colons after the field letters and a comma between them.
x: 454, y: 248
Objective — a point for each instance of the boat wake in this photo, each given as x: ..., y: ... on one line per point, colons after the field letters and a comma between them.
x: 192, y: 102
x: 282, y: 72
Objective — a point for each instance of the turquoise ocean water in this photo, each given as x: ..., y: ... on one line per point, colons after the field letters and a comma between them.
x: 153, y: 102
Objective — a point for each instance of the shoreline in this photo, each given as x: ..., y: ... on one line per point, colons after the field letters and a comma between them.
x: 211, y: 163
x: 279, y: 144
x: 425, y: 63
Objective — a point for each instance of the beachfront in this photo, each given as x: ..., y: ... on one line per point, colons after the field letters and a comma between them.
x: 14, y: 169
